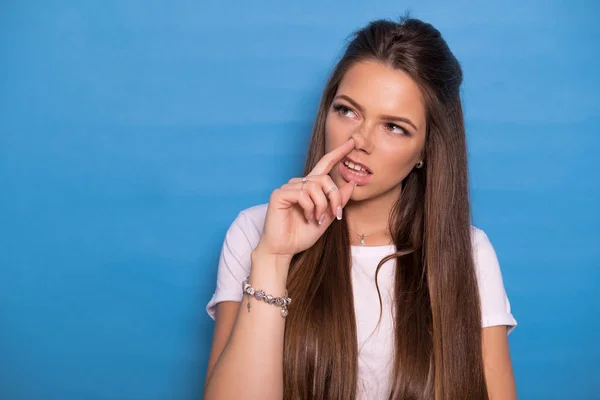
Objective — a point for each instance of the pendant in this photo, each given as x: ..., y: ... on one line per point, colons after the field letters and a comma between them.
x: 362, y: 240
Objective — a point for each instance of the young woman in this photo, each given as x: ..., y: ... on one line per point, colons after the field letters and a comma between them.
x: 394, y: 294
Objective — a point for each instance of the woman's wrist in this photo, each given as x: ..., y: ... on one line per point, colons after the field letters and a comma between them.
x: 269, y: 271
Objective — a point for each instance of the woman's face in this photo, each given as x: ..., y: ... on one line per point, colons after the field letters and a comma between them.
x: 383, y: 110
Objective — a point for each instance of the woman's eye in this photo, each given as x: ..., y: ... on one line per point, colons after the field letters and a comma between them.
x: 396, y: 129
x: 343, y: 110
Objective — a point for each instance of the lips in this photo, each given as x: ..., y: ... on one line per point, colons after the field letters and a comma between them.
x: 357, y: 163
x: 350, y: 175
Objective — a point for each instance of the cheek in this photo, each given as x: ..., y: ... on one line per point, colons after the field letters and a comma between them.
x: 398, y: 163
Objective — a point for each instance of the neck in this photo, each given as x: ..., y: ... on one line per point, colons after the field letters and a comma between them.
x: 370, y: 218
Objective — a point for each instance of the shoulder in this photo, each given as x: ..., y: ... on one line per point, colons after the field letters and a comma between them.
x: 484, y: 254
x: 235, y: 262
x: 245, y: 231
x: 480, y: 240
x: 254, y: 217
x: 495, y: 306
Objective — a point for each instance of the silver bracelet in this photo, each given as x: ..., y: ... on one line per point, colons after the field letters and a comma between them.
x: 282, y: 302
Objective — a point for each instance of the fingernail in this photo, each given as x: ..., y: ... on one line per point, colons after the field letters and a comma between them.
x: 322, y: 219
x: 354, y: 183
x: 339, y: 212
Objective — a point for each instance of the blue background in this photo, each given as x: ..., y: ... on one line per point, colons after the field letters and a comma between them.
x: 132, y: 133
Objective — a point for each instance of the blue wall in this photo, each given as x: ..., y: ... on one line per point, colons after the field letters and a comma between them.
x: 131, y: 134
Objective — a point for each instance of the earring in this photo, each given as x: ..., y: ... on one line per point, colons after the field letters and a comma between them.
x: 419, y: 164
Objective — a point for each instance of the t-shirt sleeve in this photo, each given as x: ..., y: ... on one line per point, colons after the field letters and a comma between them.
x: 495, y: 306
x: 234, y: 264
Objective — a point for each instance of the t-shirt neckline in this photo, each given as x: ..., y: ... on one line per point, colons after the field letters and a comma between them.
x: 383, y: 251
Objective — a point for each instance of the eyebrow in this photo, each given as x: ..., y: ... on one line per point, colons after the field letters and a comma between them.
x: 388, y: 117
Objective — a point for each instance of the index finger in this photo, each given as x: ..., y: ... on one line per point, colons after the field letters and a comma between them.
x: 326, y: 164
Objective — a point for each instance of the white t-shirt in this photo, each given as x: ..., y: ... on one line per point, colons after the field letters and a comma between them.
x: 375, y: 361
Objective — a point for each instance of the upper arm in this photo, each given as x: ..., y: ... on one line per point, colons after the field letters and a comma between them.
x: 225, y: 316
x: 235, y: 262
x: 495, y: 306
x: 497, y: 320
x: 234, y: 266
x: 497, y: 364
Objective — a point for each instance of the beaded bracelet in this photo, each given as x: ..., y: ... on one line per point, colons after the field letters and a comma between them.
x: 282, y: 302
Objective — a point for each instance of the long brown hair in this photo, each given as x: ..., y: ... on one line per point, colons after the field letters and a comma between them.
x: 437, y: 338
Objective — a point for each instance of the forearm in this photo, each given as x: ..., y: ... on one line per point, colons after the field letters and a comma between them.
x: 251, y: 364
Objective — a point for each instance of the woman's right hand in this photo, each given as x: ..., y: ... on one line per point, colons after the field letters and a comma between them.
x: 299, y: 213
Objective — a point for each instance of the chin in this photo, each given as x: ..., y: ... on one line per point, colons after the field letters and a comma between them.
x: 361, y: 193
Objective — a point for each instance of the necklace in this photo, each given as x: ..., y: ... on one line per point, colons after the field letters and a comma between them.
x: 362, y: 236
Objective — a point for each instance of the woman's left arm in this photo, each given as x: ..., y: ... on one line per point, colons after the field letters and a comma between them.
x: 497, y: 365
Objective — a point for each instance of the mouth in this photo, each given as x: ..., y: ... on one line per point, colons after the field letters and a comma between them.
x: 353, y: 171
x: 356, y: 166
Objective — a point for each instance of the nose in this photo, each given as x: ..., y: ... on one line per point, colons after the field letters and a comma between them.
x: 362, y: 139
